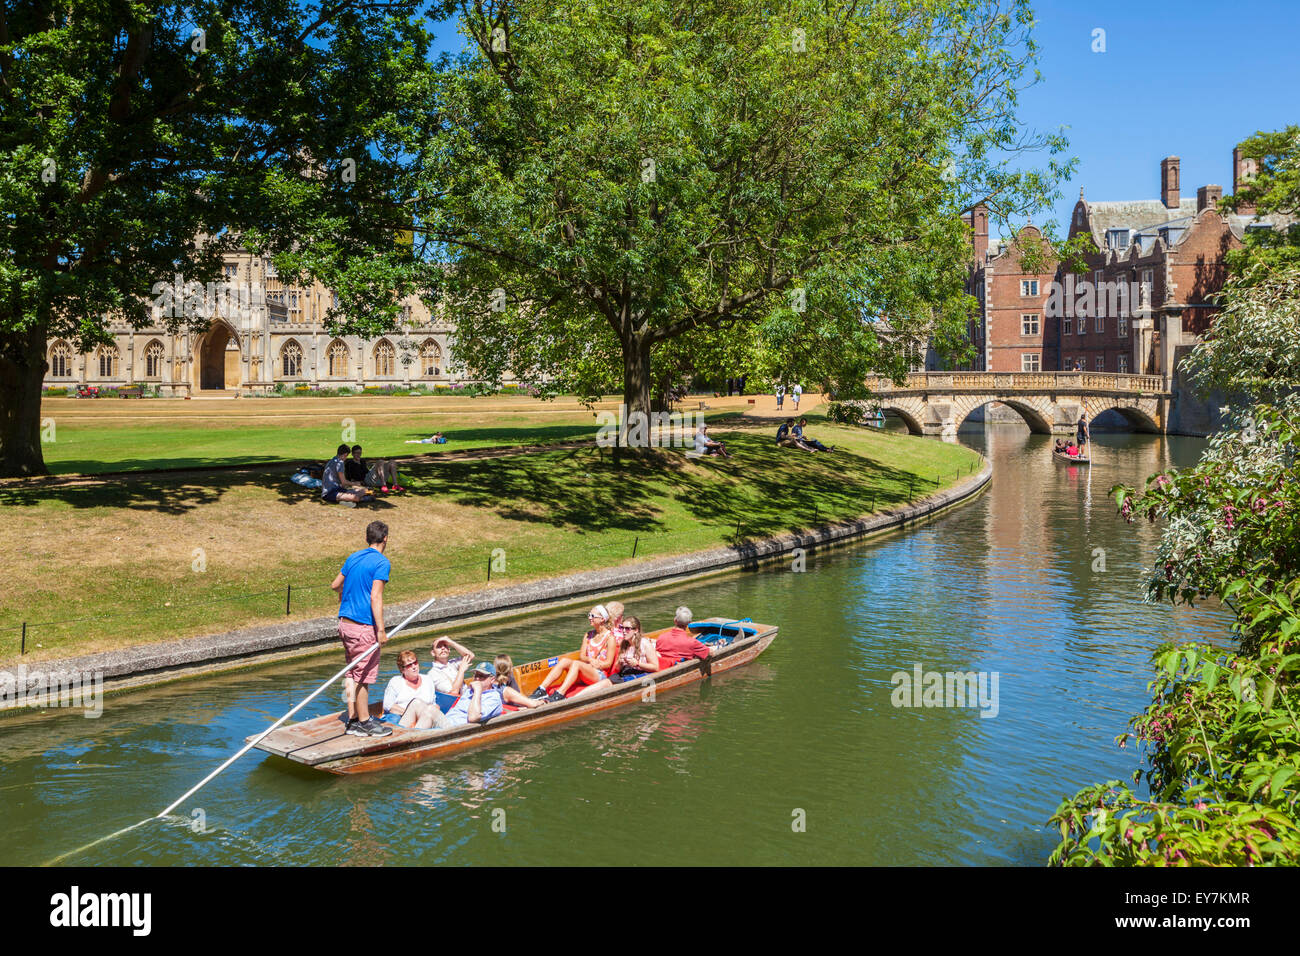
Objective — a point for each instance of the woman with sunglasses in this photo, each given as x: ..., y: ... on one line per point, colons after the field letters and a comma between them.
x: 409, y: 699
x: 636, y: 657
x: 594, y: 662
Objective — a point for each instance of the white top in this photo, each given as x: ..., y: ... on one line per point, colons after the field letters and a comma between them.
x: 444, y: 675
x: 797, y: 390
x: 399, y: 694
x: 701, y: 443
x: 636, y: 655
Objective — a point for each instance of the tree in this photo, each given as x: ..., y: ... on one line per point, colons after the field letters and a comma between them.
x: 621, y: 176
x: 1274, y: 188
x: 138, y: 142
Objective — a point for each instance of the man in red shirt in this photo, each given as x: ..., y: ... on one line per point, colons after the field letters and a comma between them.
x: 676, y: 644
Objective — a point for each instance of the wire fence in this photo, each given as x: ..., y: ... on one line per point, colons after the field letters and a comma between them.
x: 303, y: 597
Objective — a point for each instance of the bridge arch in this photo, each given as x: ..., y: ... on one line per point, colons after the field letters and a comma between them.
x: 1037, y: 419
x: 1138, y: 418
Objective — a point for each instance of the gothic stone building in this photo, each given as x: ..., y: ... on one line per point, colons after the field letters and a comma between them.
x: 254, y: 350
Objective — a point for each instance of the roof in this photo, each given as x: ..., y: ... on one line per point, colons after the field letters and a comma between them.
x: 1139, y: 214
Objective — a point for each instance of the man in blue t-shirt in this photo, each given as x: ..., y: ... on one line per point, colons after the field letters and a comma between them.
x: 360, y: 587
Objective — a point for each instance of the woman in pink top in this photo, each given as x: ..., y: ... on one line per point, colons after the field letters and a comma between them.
x: 637, y: 657
x: 594, y: 662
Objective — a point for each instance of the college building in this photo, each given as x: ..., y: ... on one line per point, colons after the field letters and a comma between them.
x: 1143, y: 298
x: 263, y: 333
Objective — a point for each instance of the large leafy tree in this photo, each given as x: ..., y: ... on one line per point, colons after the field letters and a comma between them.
x: 1275, y: 188
x: 142, y: 140
x: 629, y: 183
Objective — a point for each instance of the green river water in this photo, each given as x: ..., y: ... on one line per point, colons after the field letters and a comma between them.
x: 799, y: 757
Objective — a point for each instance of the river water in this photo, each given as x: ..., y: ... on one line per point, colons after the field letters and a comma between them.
x: 800, y: 757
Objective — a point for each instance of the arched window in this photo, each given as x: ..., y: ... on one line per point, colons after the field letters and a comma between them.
x: 108, y: 361
x: 153, y: 359
x: 338, y: 358
x: 384, y: 358
x: 430, y: 359
x: 61, y: 360
x: 291, y: 359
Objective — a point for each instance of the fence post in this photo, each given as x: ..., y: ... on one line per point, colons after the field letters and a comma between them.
x: 635, y: 542
x: 816, y: 511
x: 489, y: 577
x: 24, y: 648
x: 288, y: 596
x: 737, y: 527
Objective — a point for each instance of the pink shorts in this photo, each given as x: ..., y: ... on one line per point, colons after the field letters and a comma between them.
x: 357, y: 639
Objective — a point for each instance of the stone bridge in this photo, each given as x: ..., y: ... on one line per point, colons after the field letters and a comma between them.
x: 936, y: 403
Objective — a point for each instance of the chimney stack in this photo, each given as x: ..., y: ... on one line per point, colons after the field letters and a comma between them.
x: 1207, y: 197
x: 980, y: 233
x: 1243, y: 170
x: 1169, y: 182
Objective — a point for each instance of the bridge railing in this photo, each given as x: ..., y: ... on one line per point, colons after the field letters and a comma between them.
x: 1036, y: 381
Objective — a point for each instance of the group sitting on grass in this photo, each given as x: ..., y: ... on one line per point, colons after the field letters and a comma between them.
x: 613, y: 651
x: 350, y: 481
x: 791, y: 435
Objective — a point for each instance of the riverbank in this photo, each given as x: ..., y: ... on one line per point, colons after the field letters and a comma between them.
x: 153, y: 664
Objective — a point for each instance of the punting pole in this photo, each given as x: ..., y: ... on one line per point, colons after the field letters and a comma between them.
x: 319, y: 690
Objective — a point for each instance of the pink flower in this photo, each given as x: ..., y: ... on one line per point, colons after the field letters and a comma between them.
x: 1200, y: 805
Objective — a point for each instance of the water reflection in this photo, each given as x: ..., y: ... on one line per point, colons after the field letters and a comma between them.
x: 1037, y: 580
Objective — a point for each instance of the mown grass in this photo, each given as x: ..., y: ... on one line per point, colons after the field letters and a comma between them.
x: 112, y: 563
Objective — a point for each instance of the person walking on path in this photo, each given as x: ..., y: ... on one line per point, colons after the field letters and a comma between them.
x: 780, y: 396
x: 796, y: 393
x: 360, y: 587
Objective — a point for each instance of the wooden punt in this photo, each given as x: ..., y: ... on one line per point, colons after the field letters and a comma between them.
x: 1068, y: 460
x: 322, y: 744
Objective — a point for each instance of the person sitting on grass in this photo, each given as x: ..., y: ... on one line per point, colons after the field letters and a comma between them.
x: 594, y: 662
x: 704, y: 445
x: 409, y: 699
x: 374, y: 473
x: 637, y: 657
x: 487, y: 694
x: 334, y: 485
x: 786, y: 439
x: 811, y: 443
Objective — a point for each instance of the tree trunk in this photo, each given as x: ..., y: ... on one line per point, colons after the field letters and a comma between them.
x: 22, y: 369
x: 636, y: 375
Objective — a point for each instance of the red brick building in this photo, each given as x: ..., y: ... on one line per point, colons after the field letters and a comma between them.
x: 1144, y: 298
x: 1012, y: 333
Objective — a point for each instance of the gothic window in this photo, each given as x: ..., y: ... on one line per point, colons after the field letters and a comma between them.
x: 153, y: 359
x: 109, y: 361
x: 430, y: 359
x: 338, y: 359
x: 61, y: 360
x: 384, y: 358
x: 291, y: 359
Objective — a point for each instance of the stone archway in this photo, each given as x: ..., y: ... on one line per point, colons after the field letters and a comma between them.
x: 218, y: 365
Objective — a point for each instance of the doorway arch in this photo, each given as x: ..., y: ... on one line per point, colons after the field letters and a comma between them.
x: 218, y: 363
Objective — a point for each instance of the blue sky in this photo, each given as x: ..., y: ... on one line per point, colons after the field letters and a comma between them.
x: 1185, y: 78
x: 1188, y: 79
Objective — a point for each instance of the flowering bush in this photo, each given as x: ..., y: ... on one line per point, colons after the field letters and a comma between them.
x: 1221, y: 736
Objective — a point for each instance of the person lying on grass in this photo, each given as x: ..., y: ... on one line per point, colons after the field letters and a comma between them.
x: 335, y: 487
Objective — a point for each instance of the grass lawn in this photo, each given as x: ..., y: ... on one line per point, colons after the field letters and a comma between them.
x: 91, y: 437
x: 108, y: 563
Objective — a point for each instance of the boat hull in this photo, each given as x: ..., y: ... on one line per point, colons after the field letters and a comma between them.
x: 323, y: 745
x: 1067, y: 460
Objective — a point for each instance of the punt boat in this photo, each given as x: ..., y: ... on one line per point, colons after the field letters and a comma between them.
x: 322, y: 744
x: 1071, y: 460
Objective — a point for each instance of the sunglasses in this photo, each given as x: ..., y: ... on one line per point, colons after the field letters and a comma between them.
x: 412, y: 664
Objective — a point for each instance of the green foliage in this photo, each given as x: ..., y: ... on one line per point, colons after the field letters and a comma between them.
x: 1221, y: 735
x: 1275, y: 188
x: 141, y: 142
x: 655, y: 187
